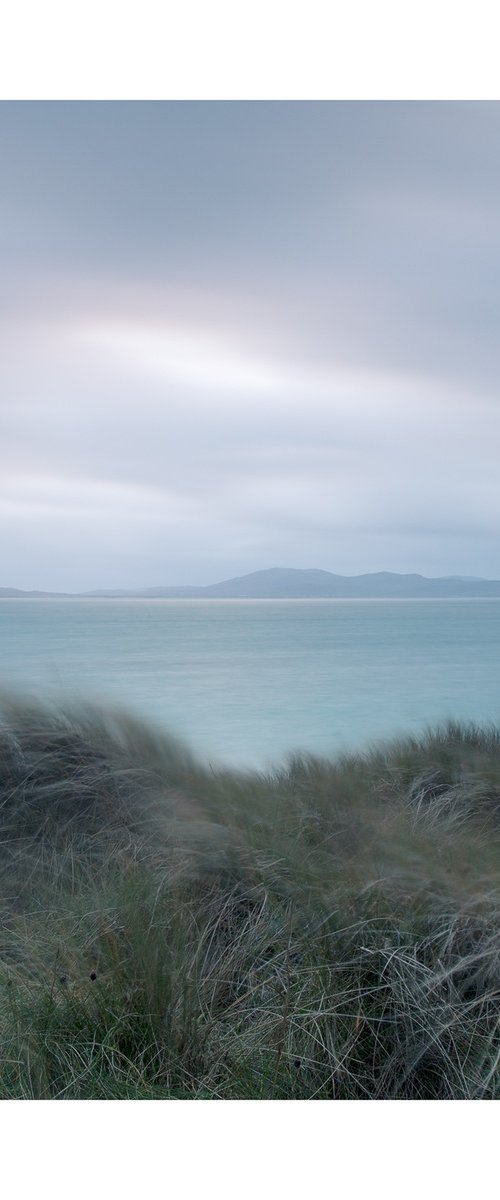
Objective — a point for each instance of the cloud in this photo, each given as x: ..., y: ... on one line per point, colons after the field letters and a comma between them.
x: 238, y: 334
x: 193, y: 358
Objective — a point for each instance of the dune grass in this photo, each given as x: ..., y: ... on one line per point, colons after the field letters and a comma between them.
x: 329, y: 930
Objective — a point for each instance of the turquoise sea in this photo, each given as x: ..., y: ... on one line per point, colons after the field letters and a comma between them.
x: 248, y: 681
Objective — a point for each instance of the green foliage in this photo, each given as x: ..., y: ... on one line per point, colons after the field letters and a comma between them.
x: 327, y: 931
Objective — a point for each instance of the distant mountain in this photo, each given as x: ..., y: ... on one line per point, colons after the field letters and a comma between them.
x: 287, y: 583
x: 283, y: 583
x: 12, y: 593
x: 155, y: 593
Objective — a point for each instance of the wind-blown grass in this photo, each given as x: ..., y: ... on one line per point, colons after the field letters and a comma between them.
x: 326, y: 931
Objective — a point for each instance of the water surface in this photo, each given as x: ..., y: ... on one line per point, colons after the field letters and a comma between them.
x: 248, y: 681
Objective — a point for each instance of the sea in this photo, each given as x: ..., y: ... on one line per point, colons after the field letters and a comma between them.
x: 247, y: 683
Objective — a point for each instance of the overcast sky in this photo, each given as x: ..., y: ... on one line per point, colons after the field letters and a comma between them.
x: 243, y: 335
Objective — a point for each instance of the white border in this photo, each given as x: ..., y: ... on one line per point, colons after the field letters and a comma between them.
x: 249, y: 49
x: 380, y: 1150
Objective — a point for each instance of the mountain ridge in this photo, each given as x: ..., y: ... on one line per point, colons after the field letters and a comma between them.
x: 283, y: 583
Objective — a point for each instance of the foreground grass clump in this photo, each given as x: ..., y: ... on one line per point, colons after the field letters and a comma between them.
x: 327, y: 931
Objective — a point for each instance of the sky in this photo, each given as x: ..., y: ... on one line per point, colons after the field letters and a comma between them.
x: 238, y: 335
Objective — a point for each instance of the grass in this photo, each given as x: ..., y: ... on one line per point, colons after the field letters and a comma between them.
x: 329, y: 930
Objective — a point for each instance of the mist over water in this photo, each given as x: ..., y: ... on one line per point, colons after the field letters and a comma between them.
x: 247, y: 682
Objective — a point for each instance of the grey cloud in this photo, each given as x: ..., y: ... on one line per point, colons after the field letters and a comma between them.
x: 315, y: 237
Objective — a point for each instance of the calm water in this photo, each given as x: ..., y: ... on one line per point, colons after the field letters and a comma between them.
x: 247, y: 681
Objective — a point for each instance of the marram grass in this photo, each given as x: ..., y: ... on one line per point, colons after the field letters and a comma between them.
x: 327, y: 931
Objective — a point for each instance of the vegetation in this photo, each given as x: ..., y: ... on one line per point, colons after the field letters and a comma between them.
x: 326, y: 931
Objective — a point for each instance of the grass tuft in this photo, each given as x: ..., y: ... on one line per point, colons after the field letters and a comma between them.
x: 329, y: 930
